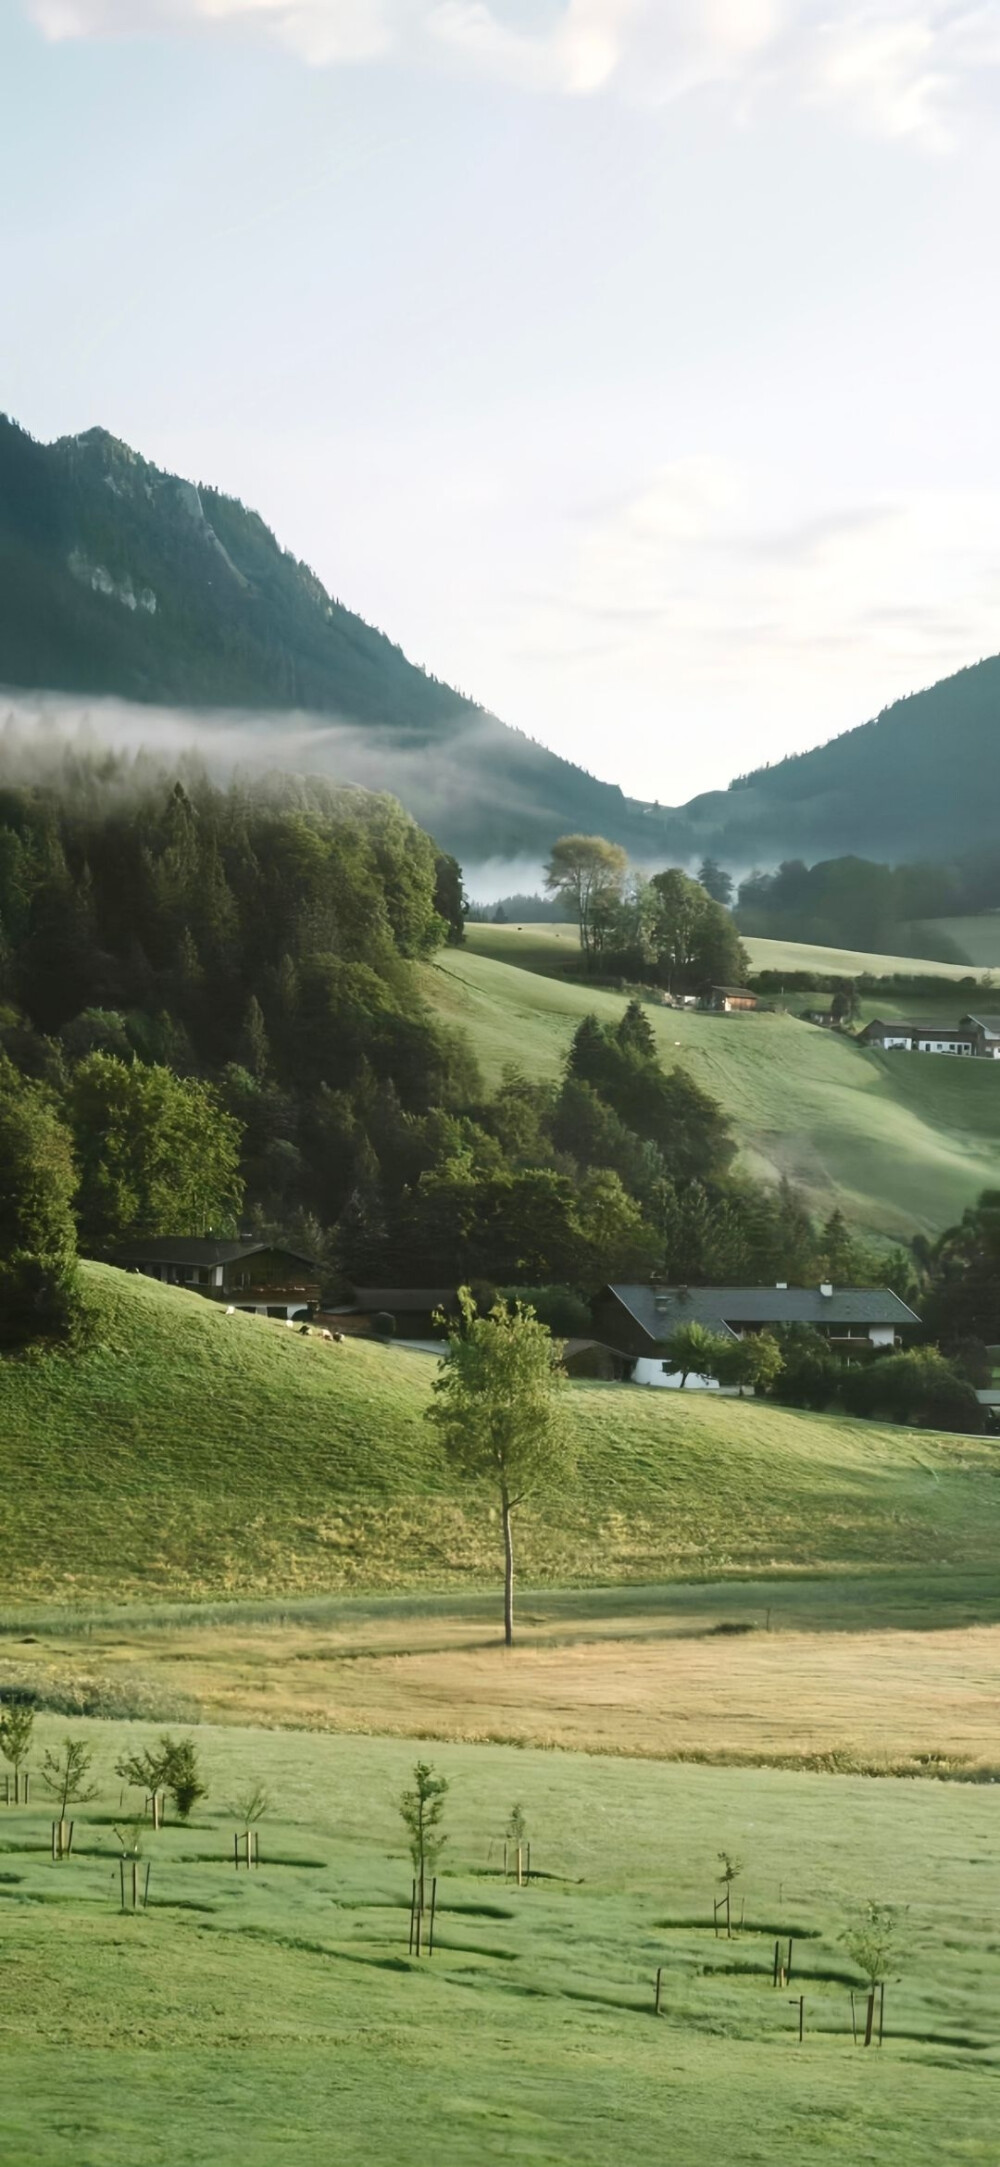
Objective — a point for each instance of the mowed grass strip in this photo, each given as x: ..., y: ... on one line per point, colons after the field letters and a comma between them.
x: 901, y: 1144
x: 182, y: 1453
x: 244, y: 2017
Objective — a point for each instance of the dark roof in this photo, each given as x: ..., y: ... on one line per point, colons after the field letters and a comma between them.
x: 191, y: 1249
x: 899, y: 1029
x: 743, y: 993
x: 403, y: 1299
x: 989, y: 1024
x: 659, y: 1309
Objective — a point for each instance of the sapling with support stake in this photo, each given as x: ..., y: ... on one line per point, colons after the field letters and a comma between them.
x: 17, y: 1723
x: 248, y: 1808
x: 65, y: 1775
x: 731, y: 1871
x: 872, y: 1942
x: 422, y: 1810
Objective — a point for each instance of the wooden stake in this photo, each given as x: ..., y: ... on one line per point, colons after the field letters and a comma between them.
x: 800, y: 2003
x: 249, y: 1843
x: 520, y: 1867
x: 505, y: 1862
x: 529, y: 1862
x: 236, y: 1849
x: 413, y: 1915
x: 659, y: 1981
x: 881, y: 2012
x: 854, y: 2020
x: 777, y: 1962
x: 420, y: 1921
x: 869, y: 2017
x: 145, y: 1893
x: 788, y: 1967
x: 729, y: 1912
x: 434, y: 1898
x: 135, y: 1884
x: 121, y: 1877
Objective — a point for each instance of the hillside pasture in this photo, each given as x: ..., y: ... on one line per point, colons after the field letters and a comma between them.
x: 246, y: 2016
x: 184, y: 1454
x: 555, y: 947
x: 901, y: 1145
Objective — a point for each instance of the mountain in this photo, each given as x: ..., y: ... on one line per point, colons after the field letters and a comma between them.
x: 918, y: 782
x: 117, y: 578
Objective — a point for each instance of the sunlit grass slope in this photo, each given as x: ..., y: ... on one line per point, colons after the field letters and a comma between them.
x: 187, y: 1453
x: 901, y: 1144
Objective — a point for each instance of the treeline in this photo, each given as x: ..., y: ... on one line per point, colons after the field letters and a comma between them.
x: 855, y: 903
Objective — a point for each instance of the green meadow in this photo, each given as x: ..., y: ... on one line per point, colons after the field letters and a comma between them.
x: 244, y: 2018
x: 900, y: 1144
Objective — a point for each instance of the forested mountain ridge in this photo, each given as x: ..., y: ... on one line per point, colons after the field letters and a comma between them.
x: 117, y: 578
x: 917, y: 782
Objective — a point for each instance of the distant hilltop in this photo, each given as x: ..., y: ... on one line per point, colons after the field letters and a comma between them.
x: 119, y: 579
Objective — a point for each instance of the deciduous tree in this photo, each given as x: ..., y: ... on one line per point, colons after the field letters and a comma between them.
x: 498, y: 1411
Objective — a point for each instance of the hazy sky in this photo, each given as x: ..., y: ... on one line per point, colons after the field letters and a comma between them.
x: 633, y: 364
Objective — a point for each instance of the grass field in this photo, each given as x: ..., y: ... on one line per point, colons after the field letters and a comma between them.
x: 976, y: 938
x: 184, y: 1453
x: 247, y: 2018
x: 551, y: 947
x: 900, y: 1145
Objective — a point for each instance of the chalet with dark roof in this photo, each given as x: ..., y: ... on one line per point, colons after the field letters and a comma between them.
x: 266, y: 1278
x: 639, y: 1319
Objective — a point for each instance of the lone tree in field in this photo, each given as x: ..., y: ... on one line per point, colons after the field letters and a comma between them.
x: 497, y: 1407
x: 422, y: 1809
x: 587, y: 873
x: 17, y: 1723
x: 872, y: 1941
x: 65, y: 1775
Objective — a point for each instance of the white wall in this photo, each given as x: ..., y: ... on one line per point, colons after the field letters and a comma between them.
x: 649, y: 1371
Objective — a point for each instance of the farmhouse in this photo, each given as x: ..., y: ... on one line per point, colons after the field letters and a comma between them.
x: 400, y: 1312
x: 262, y: 1277
x: 639, y: 1320
x: 896, y: 1037
x: 987, y: 1030
x: 729, y: 1000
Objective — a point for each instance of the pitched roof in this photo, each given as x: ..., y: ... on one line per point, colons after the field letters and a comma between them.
x: 989, y: 1024
x: 896, y: 1028
x: 192, y: 1249
x: 658, y: 1310
x: 405, y: 1299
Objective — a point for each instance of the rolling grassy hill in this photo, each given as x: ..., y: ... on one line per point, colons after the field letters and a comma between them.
x: 184, y: 1453
x: 902, y: 1145
x: 556, y: 947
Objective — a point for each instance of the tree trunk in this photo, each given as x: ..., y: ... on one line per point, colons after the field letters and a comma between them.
x: 508, y: 1576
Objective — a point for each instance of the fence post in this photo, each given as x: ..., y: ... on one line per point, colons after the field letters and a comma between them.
x: 659, y: 1982
x: 430, y: 1936
x: 121, y: 1877
x: 854, y: 2019
x: 869, y: 2017
x: 145, y: 1893
x: 777, y: 1962
x: 881, y: 2012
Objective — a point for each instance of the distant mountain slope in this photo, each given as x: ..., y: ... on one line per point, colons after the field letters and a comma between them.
x: 116, y: 578
x: 921, y: 781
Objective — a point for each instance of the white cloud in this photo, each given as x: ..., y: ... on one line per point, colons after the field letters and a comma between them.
x: 895, y: 68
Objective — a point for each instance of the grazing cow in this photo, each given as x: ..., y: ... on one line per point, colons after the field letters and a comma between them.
x: 230, y: 1312
x: 304, y: 1329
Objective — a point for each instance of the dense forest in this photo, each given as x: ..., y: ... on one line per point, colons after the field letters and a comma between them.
x: 210, y: 1013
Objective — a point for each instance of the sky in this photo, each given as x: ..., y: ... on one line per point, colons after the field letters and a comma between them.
x: 632, y: 364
